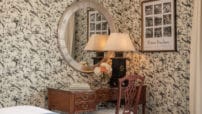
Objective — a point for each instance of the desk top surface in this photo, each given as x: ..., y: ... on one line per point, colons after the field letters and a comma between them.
x: 85, y: 90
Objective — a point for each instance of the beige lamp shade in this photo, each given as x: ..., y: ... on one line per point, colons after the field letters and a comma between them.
x: 119, y: 42
x: 96, y: 43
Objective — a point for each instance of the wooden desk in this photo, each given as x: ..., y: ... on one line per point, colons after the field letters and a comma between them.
x: 84, y: 101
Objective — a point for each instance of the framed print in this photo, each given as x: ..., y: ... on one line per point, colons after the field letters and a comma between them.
x: 97, y: 24
x: 158, y: 25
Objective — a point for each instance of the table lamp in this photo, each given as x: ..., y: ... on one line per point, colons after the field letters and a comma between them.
x: 119, y: 43
x: 97, y: 44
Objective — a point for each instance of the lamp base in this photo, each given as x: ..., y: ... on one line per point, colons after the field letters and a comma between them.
x: 118, y: 70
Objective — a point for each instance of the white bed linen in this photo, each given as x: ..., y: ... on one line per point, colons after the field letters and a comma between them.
x: 25, y: 110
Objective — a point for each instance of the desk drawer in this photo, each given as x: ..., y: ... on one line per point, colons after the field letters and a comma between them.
x: 84, y: 97
x: 85, y: 106
x: 58, y: 100
x: 103, y: 95
x: 114, y: 94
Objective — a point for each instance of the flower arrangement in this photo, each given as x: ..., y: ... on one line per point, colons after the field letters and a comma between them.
x: 103, y: 71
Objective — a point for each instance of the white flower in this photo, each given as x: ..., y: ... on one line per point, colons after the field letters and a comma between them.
x: 97, y: 71
x: 103, y: 69
x: 107, y: 66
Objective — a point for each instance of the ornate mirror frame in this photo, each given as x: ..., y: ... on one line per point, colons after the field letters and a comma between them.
x: 63, y: 24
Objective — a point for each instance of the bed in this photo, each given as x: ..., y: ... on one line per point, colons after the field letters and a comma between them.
x: 25, y: 110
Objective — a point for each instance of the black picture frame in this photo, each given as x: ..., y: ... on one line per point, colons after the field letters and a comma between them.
x: 158, y: 26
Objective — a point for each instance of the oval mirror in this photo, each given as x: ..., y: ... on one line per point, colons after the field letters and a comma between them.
x: 78, y: 23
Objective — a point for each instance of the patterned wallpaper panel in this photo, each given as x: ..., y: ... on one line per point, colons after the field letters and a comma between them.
x: 30, y: 60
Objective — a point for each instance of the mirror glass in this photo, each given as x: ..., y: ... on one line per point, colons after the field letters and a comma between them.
x: 81, y: 26
x: 77, y: 25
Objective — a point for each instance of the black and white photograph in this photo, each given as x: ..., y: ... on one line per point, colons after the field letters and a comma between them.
x: 158, y: 32
x: 149, y: 10
x: 158, y: 21
x: 166, y: 7
x: 149, y: 21
x: 158, y: 25
x: 167, y: 31
x: 149, y: 33
x: 167, y: 19
x: 158, y: 9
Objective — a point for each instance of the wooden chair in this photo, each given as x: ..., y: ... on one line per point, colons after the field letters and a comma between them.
x: 131, y: 94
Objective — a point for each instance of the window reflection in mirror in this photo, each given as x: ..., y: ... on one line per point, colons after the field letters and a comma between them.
x: 82, y: 24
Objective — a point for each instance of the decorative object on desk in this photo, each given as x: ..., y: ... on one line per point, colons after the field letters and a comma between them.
x: 158, y: 25
x: 118, y: 42
x: 84, y: 65
x: 97, y: 43
x: 103, y: 72
x: 79, y: 86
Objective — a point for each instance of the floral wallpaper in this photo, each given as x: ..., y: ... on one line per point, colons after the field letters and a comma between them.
x: 30, y: 60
